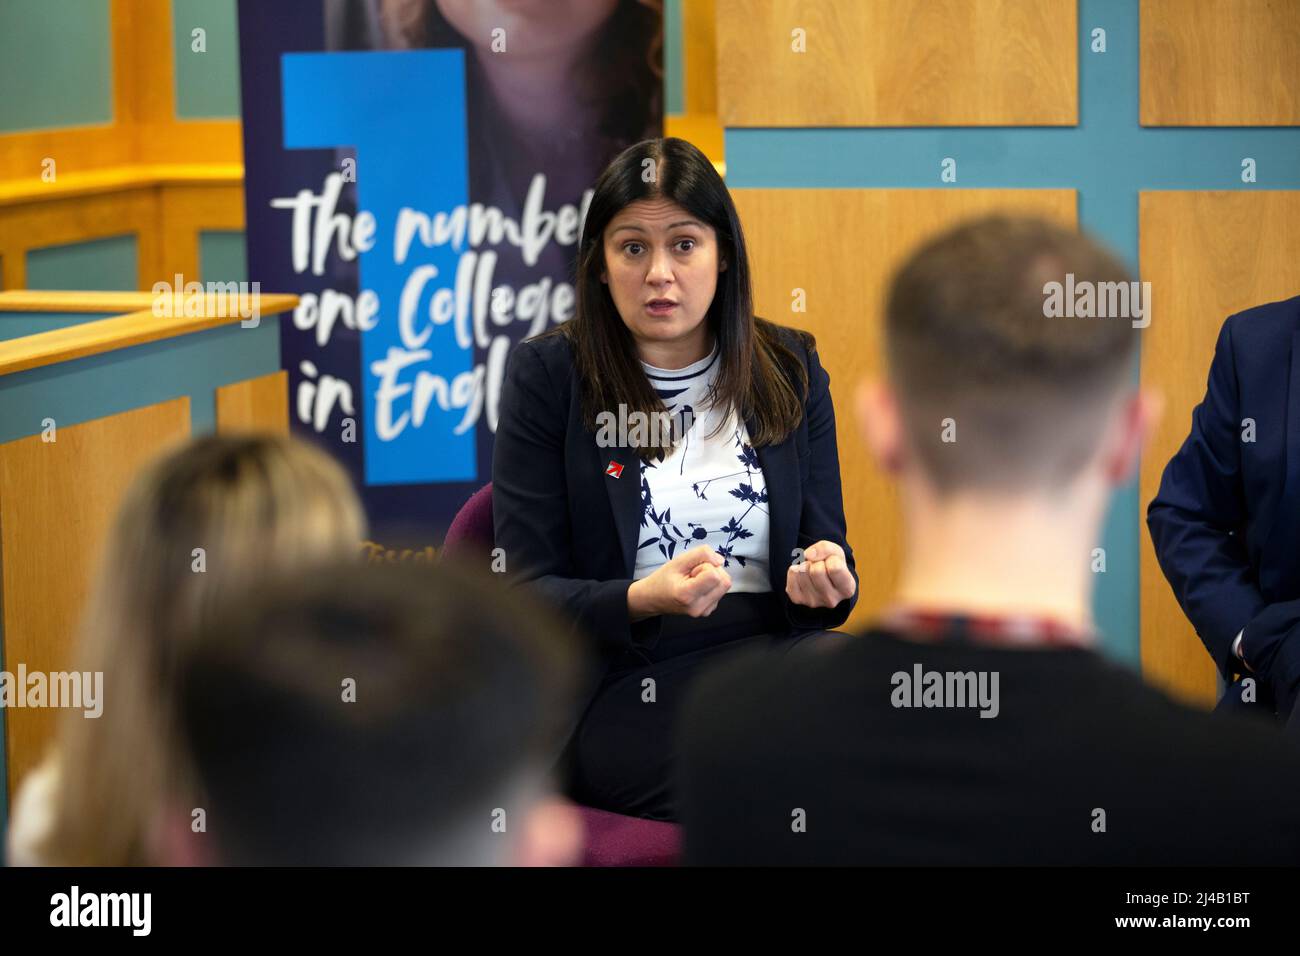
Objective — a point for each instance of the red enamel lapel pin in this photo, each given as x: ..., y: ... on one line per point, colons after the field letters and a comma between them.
x: 614, y: 469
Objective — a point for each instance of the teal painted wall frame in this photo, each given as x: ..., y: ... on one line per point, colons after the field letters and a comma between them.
x: 16, y: 325
x: 207, y: 81
x: 674, y: 59
x: 55, y: 64
x: 92, y: 265
x: 223, y: 256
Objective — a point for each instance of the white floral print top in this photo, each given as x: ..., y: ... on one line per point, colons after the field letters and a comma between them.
x: 709, y: 490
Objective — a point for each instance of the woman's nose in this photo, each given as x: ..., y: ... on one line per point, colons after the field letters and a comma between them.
x: 661, y: 268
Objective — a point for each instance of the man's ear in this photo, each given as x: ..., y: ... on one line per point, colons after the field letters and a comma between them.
x: 879, y: 423
x: 1139, y: 414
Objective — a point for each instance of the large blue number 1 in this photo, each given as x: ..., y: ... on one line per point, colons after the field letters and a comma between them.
x: 405, y: 115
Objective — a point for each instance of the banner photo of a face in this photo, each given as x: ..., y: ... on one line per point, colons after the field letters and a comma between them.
x: 418, y: 171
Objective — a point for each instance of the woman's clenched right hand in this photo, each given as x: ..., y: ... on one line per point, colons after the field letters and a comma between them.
x: 691, y: 584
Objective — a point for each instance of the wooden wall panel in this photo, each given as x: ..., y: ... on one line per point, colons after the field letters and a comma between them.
x: 841, y: 246
x: 185, y: 210
x: 1220, y: 62
x: 256, y: 404
x: 1206, y: 255
x: 898, y: 63
x: 78, y: 219
x: 73, y: 149
x: 57, y: 501
x: 699, y: 19
x: 165, y: 218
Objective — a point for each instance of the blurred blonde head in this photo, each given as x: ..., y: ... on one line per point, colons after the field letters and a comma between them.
x: 252, y: 504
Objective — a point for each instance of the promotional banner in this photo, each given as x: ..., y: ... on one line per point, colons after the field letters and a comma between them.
x: 418, y: 171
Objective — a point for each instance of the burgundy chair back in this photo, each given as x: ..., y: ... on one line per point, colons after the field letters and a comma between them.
x: 471, y: 529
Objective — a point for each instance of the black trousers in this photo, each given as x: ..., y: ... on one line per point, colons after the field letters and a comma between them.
x: 620, y: 756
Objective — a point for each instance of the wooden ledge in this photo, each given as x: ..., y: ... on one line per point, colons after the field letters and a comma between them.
x: 136, y: 327
x: 118, y: 179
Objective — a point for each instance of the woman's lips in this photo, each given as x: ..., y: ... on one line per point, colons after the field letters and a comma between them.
x: 660, y: 307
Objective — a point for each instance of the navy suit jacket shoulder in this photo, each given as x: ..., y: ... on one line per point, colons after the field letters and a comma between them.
x: 1226, y: 520
x: 569, y: 529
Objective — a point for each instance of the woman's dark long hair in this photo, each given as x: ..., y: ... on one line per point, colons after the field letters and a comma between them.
x: 758, y: 375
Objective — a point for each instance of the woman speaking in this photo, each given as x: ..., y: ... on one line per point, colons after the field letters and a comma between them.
x: 667, y: 546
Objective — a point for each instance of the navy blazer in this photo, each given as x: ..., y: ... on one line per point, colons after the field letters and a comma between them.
x: 570, y: 529
x: 1226, y: 521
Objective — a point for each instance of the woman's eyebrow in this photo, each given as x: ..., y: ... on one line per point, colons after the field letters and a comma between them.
x: 638, y: 227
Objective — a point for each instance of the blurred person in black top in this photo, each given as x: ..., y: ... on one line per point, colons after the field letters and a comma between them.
x: 975, y: 722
